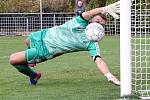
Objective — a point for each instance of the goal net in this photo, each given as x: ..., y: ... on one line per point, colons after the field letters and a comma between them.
x: 140, y: 29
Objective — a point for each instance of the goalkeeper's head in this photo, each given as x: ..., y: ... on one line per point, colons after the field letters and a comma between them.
x: 100, y: 18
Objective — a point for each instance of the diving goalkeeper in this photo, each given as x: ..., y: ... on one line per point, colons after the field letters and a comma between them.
x: 68, y: 37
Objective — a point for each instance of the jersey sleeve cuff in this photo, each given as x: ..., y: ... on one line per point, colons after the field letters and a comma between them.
x: 82, y: 17
x: 94, y: 57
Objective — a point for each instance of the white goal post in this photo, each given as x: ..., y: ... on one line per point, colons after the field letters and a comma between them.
x: 135, y: 48
x: 125, y: 47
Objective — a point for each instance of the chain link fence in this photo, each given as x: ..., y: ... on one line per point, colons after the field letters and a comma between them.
x: 14, y: 24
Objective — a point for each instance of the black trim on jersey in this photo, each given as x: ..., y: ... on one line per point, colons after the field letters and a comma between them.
x: 82, y: 17
x: 96, y: 57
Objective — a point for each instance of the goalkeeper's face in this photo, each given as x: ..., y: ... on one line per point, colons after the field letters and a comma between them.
x: 99, y: 19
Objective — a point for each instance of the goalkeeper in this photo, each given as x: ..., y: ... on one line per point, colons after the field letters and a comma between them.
x: 68, y: 37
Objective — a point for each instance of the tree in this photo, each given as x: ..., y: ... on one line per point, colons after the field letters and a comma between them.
x: 24, y: 6
x: 91, y: 4
x: 29, y: 6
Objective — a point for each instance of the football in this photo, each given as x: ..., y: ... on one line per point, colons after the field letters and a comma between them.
x: 95, y: 32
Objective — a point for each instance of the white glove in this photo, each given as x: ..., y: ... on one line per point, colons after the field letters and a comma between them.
x: 112, y: 79
x: 112, y: 9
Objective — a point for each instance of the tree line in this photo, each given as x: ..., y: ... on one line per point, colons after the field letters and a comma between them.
x: 33, y: 6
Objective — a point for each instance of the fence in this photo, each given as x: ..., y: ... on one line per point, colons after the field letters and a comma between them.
x: 12, y: 24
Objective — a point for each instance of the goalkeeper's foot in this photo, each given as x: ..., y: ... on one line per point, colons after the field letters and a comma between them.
x: 112, y: 78
x: 35, y: 80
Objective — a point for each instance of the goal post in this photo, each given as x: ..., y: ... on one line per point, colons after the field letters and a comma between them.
x: 125, y: 47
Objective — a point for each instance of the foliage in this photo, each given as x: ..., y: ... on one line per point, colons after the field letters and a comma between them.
x: 95, y: 3
x: 110, y: 1
x: 61, y: 5
x: 70, y: 6
x: 19, y: 6
x: 29, y: 6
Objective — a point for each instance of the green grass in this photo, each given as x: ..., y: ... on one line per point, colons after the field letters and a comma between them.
x: 72, y: 76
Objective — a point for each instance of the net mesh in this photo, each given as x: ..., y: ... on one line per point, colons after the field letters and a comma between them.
x: 140, y: 28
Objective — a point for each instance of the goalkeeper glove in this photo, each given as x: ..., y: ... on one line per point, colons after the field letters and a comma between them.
x: 112, y: 79
x: 112, y: 9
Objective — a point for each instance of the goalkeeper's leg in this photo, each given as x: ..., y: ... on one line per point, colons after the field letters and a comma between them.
x: 18, y: 60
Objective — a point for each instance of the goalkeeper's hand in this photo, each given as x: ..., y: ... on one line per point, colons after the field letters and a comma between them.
x: 112, y: 9
x: 112, y: 79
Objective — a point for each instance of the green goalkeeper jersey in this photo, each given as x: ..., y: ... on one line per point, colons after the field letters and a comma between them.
x: 70, y: 37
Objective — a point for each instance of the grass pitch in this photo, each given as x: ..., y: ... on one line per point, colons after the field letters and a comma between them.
x: 72, y: 76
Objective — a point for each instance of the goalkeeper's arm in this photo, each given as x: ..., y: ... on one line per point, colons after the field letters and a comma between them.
x: 103, y: 68
x: 111, y: 9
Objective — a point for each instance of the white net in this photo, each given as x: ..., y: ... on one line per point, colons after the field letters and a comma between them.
x: 141, y: 48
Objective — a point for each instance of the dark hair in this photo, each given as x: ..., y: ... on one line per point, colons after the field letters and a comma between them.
x: 103, y: 16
